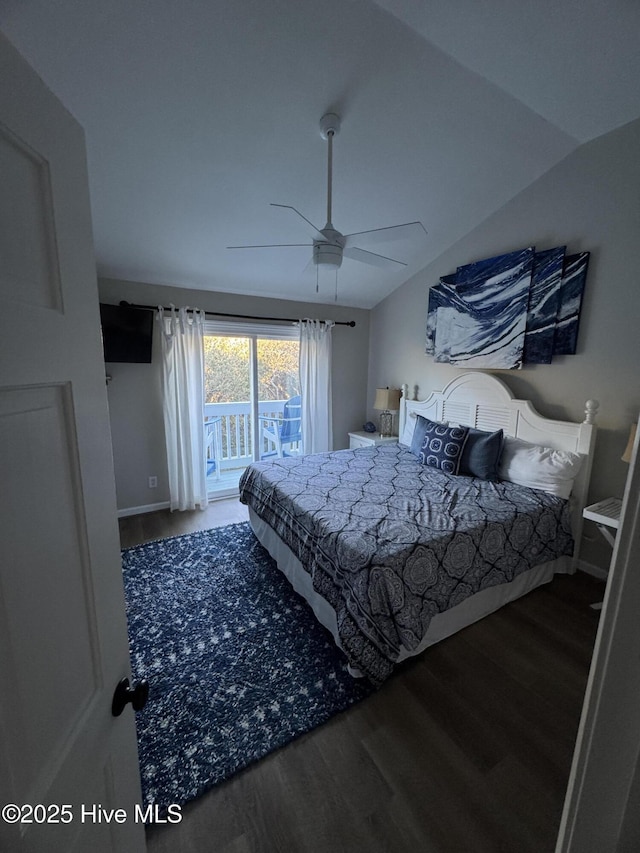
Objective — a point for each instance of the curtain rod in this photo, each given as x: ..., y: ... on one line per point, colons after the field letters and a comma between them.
x: 126, y: 304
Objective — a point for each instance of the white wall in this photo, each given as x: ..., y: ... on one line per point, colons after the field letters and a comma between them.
x: 590, y: 202
x: 135, y: 401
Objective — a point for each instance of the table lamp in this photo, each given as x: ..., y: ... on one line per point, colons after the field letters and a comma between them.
x: 387, y: 401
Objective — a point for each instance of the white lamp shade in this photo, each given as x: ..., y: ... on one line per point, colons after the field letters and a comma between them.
x: 387, y: 399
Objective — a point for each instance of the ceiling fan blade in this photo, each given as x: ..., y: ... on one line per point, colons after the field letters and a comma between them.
x: 272, y: 246
x: 315, y: 232
x: 371, y: 258
x: 392, y: 232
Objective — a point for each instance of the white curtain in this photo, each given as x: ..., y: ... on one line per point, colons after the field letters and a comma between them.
x: 315, y: 385
x: 183, y: 406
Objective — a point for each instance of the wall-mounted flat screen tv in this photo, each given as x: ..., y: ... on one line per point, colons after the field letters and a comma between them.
x: 127, y: 333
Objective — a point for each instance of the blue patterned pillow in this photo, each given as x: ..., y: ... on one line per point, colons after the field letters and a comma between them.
x: 443, y: 445
x: 419, y: 432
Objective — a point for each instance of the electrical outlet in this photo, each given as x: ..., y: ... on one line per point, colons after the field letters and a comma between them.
x: 153, y: 482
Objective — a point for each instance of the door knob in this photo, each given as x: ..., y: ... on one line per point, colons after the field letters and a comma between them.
x: 124, y: 693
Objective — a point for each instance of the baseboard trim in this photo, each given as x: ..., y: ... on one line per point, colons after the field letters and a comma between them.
x: 139, y: 510
x: 594, y: 571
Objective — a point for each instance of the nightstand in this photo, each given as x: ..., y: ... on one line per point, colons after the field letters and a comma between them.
x: 369, y: 439
x: 606, y: 514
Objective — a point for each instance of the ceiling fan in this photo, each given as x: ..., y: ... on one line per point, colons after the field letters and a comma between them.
x: 329, y: 245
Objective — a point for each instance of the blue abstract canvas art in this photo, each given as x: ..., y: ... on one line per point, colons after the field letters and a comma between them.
x: 574, y: 276
x: 483, y: 316
x: 503, y: 312
x: 544, y: 302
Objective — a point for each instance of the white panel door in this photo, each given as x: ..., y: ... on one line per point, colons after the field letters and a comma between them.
x: 63, y: 642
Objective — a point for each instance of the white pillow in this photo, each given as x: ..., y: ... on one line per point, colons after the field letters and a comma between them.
x: 409, y: 426
x: 539, y: 467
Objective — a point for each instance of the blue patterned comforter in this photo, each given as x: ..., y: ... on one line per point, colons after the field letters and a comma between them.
x: 390, y: 542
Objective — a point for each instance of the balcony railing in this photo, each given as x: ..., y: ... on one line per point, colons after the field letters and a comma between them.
x: 230, y: 430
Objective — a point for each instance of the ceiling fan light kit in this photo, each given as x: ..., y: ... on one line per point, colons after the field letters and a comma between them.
x: 328, y: 252
x: 329, y: 245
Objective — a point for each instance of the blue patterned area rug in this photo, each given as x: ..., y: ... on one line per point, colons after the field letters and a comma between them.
x: 236, y: 661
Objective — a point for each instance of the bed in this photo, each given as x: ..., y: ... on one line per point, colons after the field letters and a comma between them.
x: 394, y: 554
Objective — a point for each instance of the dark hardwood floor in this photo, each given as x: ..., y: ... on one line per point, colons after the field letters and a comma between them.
x: 466, y: 749
x: 136, y: 529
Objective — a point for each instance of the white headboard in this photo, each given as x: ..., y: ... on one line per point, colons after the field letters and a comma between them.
x: 483, y: 401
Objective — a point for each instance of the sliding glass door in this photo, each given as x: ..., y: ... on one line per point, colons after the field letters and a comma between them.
x: 278, y: 393
x: 251, y: 399
x: 227, y: 397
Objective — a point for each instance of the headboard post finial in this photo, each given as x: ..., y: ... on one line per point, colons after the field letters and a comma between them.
x: 590, y: 411
x: 402, y: 419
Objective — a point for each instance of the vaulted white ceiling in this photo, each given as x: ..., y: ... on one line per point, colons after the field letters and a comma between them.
x: 200, y: 113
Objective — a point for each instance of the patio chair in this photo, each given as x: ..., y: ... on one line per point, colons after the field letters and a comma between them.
x: 284, y: 433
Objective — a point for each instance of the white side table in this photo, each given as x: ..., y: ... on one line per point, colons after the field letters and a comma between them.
x: 369, y: 439
x: 606, y: 514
